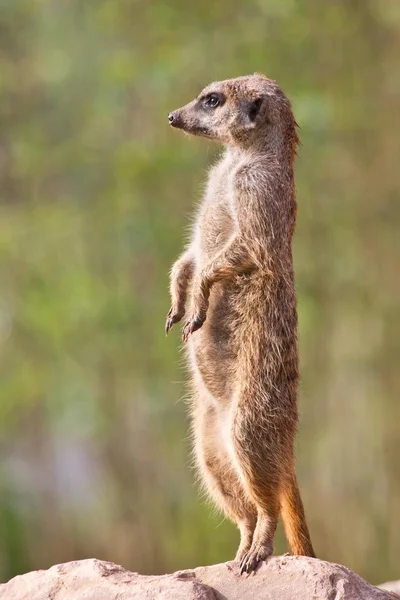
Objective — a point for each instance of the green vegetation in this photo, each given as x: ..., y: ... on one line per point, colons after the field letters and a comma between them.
x: 96, y: 192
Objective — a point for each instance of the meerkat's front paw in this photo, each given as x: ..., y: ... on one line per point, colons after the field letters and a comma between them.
x: 192, y: 325
x: 173, y: 316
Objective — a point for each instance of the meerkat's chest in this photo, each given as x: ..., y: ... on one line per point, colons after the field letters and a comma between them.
x: 215, y: 223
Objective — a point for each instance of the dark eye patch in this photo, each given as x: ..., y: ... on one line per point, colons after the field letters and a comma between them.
x: 212, y: 100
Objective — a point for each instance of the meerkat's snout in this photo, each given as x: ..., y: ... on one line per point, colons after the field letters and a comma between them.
x: 174, y: 119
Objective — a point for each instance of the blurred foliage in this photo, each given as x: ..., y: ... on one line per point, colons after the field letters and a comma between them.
x: 96, y: 194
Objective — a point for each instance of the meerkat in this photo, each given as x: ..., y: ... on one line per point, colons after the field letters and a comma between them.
x: 241, y: 332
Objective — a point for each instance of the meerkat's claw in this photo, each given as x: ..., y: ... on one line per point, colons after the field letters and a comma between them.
x: 191, y: 326
x: 172, y: 318
x: 168, y: 322
x: 254, y: 556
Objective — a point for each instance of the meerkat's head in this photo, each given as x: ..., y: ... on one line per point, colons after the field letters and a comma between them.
x: 237, y: 111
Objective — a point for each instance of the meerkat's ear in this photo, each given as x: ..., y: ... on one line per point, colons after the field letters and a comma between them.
x: 252, y: 109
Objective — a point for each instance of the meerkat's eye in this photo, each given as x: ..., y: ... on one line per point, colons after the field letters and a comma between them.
x: 212, y: 101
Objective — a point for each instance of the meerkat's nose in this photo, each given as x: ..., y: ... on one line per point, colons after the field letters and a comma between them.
x: 175, y: 119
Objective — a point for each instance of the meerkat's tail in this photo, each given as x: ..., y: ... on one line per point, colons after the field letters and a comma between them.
x: 294, y: 520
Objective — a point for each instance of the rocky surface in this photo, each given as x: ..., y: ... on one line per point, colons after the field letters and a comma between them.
x: 391, y: 586
x: 282, y: 578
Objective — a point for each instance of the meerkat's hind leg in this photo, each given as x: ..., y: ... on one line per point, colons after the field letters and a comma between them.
x: 259, y: 462
x: 246, y: 527
x: 262, y: 544
x: 220, y: 477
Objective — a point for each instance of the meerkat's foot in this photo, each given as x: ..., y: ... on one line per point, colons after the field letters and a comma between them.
x: 254, y: 556
x: 192, y: 325
x: 246, y: 527
x: 242, y: 551
x: 173, y: 316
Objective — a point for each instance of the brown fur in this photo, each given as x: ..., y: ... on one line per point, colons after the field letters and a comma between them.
x: 244, y: 356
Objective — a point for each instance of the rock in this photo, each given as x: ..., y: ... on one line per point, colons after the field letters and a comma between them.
x: 291, y: 578
x: 94, y: 579
x: 391, y: 586
x: 282, y: 578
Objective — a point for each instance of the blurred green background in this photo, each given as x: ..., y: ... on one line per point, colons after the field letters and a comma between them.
x: 96, y: 194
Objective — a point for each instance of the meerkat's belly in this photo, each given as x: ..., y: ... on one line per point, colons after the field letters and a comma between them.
x: 213, y: 348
